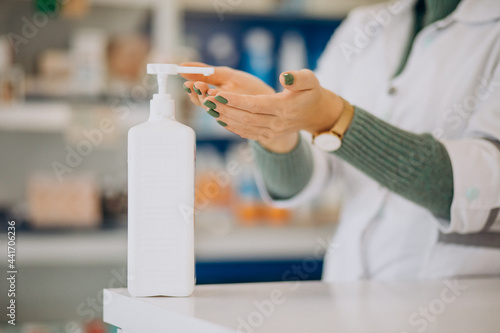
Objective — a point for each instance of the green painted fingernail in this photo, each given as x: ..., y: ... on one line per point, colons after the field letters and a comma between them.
x: 196, y: 90
x: 222, y: 123
x: 213, y: 113
x: 288, y: 79
x: 186, y: 89
x: 210, y: 104
x: 221, y: 99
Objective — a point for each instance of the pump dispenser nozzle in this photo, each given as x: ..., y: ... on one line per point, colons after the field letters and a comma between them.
x: 162, y: 105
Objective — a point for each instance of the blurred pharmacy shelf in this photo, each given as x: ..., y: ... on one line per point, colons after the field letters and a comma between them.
x: 54, y: 117
x: 309, y: 8
x: 109, y: 247
x: 35, y: 117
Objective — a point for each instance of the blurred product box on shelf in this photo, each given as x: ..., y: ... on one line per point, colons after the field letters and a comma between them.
x: 127, y: 56
x: 72, y: 203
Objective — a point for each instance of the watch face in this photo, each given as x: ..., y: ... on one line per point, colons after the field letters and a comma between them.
x: 327, y: 142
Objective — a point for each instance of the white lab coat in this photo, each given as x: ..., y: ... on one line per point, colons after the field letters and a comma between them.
x: 450, y: 87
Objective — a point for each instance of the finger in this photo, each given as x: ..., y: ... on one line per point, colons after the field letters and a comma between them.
x: 200, y: 90
x: 264, y: 104
x: 212, y: 92
x: 252, y: 126
x: 188, y: 88
x: 239, y: 132
x: 256, y: 133
x: 221, y: 74
x: 224, y: 113
x: 299, y: 80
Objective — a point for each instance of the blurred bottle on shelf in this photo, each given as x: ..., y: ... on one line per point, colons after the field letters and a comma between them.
x: 258, y: 45
x: 12, y: 87
x: 5, y: 53
x: 292, y: 54
x: 222, y: 48
x: 325, y: 208
x: 12, y: 77
x: 291, y: 7
x: 277, y: 216
x: 248, y: 207
x: 114, y: 200
x: 212, y: 186
x: 246, y: 202
x: 88, y: 55
x: 212, y: 191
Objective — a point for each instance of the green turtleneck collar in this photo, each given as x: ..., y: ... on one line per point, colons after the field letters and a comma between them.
x: 438, y: 9
x: 426, y: 12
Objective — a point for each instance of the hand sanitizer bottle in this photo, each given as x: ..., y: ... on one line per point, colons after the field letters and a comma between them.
x: 161, y: 157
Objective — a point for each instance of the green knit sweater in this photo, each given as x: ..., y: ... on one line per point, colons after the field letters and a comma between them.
x: 414, y: 166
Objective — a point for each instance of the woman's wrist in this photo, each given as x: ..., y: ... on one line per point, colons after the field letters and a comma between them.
x: 328, y: 111
x: 324, y: 114
x: 282, y: 144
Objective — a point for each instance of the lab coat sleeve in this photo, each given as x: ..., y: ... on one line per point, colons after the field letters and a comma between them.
x: 475, y: 161
x: 322, y: 166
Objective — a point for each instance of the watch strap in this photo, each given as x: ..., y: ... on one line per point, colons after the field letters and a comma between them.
x: 345, y: 119
x: 342, y: 124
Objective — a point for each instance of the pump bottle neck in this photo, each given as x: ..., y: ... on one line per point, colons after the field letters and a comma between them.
x: 162, y: 107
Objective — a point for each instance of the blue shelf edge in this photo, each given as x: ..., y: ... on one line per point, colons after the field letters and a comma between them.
x: 299, y: 269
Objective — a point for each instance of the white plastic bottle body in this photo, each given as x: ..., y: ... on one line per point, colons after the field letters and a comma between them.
x: 161, y: 209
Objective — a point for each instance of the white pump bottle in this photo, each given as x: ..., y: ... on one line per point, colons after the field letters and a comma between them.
x: 161, y: 157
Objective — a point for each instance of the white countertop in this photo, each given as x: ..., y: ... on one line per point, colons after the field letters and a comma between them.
x: 349, y: 307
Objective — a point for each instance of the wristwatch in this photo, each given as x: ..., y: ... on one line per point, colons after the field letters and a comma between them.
x: 331, y: 140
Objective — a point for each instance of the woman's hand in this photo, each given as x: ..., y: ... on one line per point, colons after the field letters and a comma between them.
x: 274, y: 120
x: 235, y: 81
x: 224, y: 78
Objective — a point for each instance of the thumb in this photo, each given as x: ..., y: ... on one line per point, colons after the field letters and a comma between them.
x: 221, y: 74
x: 299, y: 80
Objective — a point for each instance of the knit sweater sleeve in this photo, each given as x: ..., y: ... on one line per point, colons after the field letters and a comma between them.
x: 415, y: 166
x: 284, y: 175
